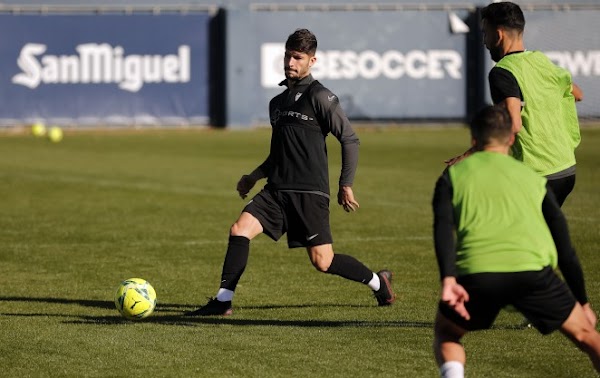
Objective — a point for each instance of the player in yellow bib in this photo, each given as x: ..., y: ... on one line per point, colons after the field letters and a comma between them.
x: 499, y: 235
x: 539, y: 96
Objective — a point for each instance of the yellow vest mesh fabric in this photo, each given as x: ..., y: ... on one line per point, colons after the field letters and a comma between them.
x: 498, y: 209
x: 550, y: 131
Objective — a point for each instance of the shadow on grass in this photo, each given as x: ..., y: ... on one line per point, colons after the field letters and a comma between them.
x: 169, y: 319
x: 180, y: 320
x: 160, y: 307
x: 192, y: 321
x: 80, y: 302
x: 167, y: 307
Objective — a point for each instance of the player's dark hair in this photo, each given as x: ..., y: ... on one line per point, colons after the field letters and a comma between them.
x: 491, y: 123
x: 504, y: 14
x: 302, y: 40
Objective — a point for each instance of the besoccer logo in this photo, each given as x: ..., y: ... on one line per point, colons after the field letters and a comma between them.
x: 434, y: 64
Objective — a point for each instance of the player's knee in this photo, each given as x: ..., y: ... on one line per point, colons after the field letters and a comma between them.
x: 237, y: 230
x: 586, y: 338
x: 321, y: 266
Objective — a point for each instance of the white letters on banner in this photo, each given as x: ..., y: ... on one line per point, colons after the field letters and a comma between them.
x: 347, y: 64
x: 101, y: 63
x: 413, y: 64
x: 578, y: 63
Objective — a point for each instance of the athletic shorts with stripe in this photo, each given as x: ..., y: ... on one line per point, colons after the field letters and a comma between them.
x: 541, y: 296
x: 304, y: 216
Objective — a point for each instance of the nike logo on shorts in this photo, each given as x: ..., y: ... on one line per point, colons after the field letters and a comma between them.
x: 309, y: 238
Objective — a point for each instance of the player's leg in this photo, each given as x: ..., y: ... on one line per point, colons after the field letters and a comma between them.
x: 447, y: 348
x: 487, y: 292
x: 246, y: 228
x: 325, y: 260
x: 562, y: 187
x: 238, y: 249
x: 582, y: 333
x: 262, y: 214
x: 550, y: 305
x: 307, y: 216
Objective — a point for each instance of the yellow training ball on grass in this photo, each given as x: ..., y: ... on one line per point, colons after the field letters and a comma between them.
x: 135, y: 298
x: 55, y: 134
x: 38, y: 129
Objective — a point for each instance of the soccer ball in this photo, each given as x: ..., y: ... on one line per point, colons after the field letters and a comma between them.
x: 135, y: 298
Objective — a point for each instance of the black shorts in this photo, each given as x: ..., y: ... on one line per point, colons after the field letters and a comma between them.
x: 561, y: 187
x: 542, y: 297
x: 303, y: 216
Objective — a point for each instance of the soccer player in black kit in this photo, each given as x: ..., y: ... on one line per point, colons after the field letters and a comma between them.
x: 295, y: 199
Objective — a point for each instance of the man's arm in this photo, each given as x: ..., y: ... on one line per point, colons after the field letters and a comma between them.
x: 453, y: 294
x: 340, y: 127
x: 333, y: 119
x: 513, y: 105
x: 505, y: 91
x: 443, y: 226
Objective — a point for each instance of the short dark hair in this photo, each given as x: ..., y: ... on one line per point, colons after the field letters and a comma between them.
x: 491, y: 123
x: 504, y: 14
x: 302, y: 40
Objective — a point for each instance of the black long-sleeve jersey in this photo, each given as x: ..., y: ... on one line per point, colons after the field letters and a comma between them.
x: 444, y: 227
x: 503, y: 84
x: 301, y: 117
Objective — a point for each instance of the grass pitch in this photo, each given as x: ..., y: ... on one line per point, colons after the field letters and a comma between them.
x: 78, y: 217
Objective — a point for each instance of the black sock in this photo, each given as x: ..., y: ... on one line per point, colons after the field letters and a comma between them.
x: 350, y: 268
x: 235, y: 262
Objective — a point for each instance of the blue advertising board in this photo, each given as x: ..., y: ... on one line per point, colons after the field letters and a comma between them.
x: 571, y: 39
x: 381, y: 65
x: 104, y: 69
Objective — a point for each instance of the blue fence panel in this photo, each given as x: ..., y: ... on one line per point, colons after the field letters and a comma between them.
x: 382, y: 65
x: 104, y: 69
x: 570, y: 39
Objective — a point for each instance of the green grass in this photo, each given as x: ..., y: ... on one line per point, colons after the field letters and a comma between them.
x: 78, y: 217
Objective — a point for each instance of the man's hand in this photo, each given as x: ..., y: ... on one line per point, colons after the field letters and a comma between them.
x: 346, y: 199
x: 245, y: 184
x: 455, y: 296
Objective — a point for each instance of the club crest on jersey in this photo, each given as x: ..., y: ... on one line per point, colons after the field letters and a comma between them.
x: 297, y: 96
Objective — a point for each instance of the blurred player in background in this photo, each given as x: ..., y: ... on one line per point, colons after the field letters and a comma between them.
x: 510, y: 236
x: 539, y: 96
x: 295, y: 199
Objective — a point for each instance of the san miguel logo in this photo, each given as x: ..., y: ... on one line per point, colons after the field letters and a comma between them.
x: 101, y: 64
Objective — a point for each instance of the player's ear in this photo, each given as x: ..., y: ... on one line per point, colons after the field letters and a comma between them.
x: 499, y: 35
x: 312, y: 60
x: 511, y: 139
